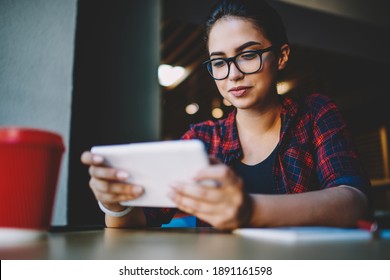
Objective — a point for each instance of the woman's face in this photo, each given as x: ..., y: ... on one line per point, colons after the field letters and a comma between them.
x: 230, y: 36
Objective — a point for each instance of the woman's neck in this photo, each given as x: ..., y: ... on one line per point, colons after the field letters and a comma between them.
x: 259, y: 132
x: 259, y: 121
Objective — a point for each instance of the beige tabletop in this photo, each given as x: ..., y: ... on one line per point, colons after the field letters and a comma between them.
x: 184, y: 244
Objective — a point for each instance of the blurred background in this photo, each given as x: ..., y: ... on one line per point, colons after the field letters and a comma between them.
x: 110, y: 72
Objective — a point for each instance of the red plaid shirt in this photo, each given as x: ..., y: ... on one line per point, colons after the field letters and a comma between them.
x: 315, y: 150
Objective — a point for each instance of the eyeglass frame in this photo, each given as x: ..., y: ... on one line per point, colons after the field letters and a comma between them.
x: 233, y: 59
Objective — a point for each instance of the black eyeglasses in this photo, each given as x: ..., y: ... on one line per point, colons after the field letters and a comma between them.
x: 247, y: 62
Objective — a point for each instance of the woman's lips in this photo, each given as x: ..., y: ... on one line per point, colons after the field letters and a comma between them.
x: 238, y: 91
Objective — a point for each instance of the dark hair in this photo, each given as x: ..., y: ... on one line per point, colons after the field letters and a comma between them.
x: 259, y: 12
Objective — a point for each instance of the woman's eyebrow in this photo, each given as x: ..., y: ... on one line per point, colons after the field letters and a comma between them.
x: 246, y: 45
x: 240, y: 48
x: 217, y: 53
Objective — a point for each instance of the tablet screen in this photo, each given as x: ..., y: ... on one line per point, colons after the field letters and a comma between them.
x: 155, y: 166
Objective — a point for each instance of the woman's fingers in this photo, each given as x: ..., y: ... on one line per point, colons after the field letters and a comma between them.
x: 221, y: 174
x: 219, y: 215
x: 98, y: 170
x: 219, y: 203
x: 109, y: 198
x: 108, y: 184
x: 89, y: 158
x: 115, y: 187
x: 104, y: 191
x: 198, y: 191
x: 107, y: 173
x: 213, y: 172
x: 192, y: 205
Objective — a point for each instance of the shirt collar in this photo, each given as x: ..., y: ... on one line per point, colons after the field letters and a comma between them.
x: 231, y: 148
x: 289, y: 111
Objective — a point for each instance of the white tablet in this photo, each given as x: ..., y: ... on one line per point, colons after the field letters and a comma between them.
x: 155, y: 166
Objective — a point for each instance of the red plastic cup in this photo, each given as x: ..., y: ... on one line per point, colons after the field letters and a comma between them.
x: 30, y: 161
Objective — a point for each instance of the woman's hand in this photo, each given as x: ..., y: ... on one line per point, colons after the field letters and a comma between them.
x: 225, y: 206
x: 109, y: 185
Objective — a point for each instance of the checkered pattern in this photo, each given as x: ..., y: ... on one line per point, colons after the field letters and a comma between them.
x: 315, y: 150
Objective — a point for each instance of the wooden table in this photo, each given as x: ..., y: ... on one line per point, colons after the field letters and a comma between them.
x: 185, y: 244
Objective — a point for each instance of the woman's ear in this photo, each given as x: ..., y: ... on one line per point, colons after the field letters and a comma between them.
x: 283, y: 56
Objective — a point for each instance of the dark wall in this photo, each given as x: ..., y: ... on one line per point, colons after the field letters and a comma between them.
x: 116, y: 92
x: 306, y: 27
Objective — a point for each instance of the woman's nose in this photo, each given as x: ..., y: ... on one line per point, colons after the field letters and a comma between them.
x: 235, y: 73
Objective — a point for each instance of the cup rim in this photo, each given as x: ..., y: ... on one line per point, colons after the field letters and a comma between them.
x: 30, y: 135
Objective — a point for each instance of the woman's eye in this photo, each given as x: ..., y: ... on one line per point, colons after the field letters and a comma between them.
x: 248, y: 56
x: 218, y: 63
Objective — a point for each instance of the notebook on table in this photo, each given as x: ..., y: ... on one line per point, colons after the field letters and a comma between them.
x: 304, y: 234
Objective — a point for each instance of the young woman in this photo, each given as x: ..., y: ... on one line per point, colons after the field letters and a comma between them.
x: 277, y: 161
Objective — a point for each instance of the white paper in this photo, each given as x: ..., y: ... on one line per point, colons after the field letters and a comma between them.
x: 297, y: 234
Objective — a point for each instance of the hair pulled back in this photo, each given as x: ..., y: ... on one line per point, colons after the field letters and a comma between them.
x: 259, y: 12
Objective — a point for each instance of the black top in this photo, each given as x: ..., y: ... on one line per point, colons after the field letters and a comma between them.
x: 257, y: 178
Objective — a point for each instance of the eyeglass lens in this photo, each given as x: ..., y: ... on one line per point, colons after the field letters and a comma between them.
x: 247, y: 63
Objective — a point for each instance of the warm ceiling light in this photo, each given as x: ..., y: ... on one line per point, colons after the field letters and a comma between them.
x: 226, y: 102
x: 169, y: 75
x: 284, y: 87
x: 192, y: 108
x: 217, y: 113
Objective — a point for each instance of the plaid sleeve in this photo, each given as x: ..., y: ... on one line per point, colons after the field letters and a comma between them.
x: 337, y: 156
x: 190, y: 134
